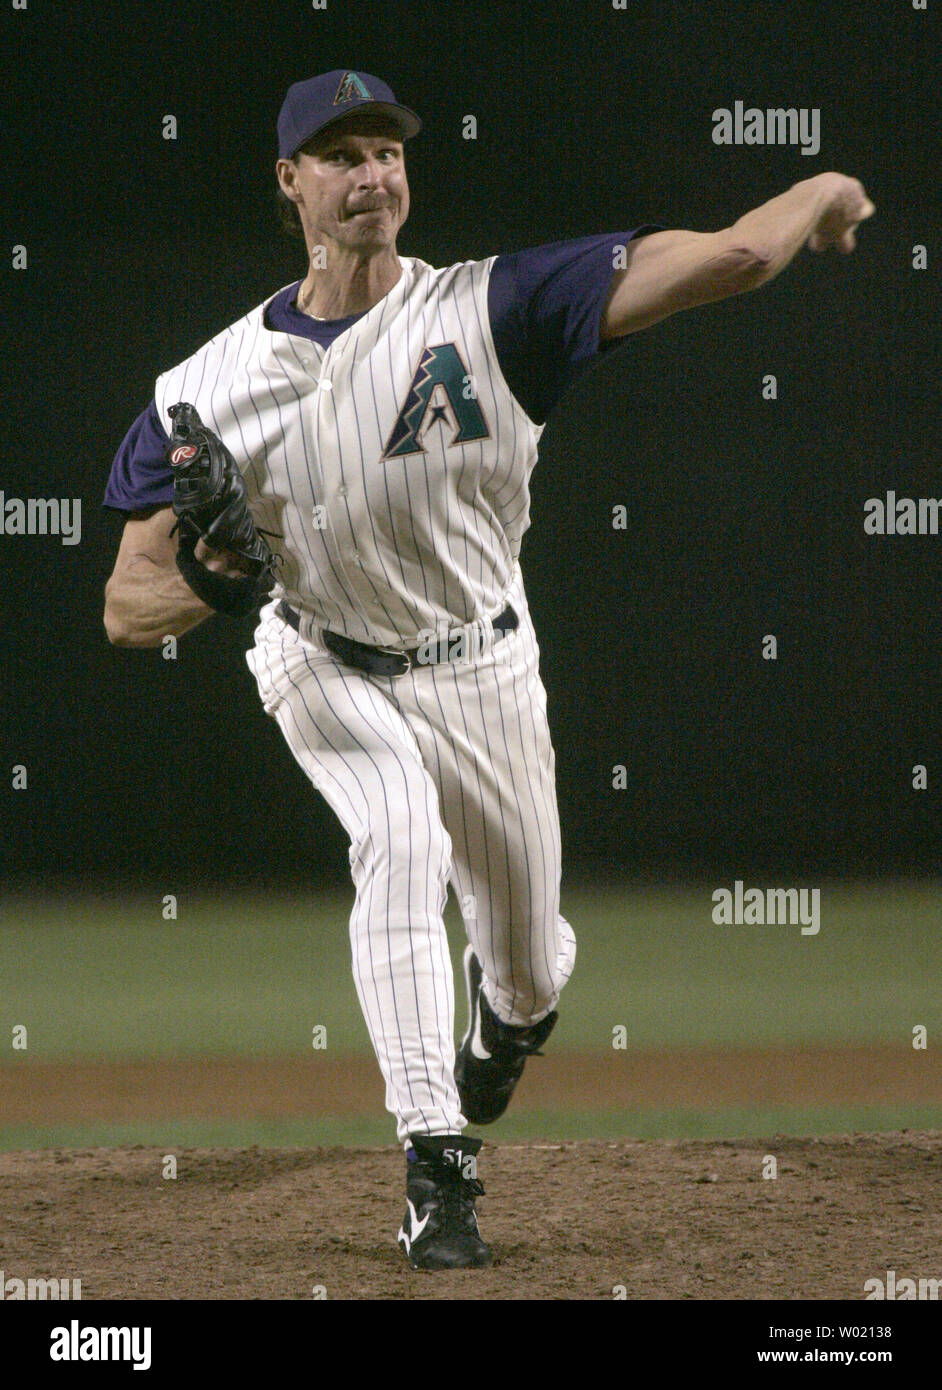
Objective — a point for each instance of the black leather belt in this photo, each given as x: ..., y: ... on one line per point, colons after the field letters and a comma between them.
x: 384, y: 661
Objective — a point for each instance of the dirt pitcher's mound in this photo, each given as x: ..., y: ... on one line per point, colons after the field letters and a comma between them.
x: 638, y: 1218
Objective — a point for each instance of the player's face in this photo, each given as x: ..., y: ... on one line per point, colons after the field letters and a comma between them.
x: 353, y: 187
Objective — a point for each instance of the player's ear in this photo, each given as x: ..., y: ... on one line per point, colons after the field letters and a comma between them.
x: 286, y: 172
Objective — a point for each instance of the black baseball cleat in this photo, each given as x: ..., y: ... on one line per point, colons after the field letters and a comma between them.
x: 440, y: 1227
x: 492, y: 1054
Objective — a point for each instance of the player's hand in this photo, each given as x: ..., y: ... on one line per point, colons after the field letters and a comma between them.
x: 847, y: 206
x: 221, y: 561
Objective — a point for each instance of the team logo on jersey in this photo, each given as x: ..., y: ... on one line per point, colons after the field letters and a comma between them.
x: 183, y: 452
x: 352, y: 88
x: 442, y: 392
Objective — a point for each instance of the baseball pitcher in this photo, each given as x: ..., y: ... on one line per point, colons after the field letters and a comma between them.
x: 353, y: 458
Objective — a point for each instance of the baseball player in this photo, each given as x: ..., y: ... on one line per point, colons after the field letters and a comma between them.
x: 354, y: 455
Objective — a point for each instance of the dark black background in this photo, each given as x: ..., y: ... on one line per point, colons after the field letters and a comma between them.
x: 745, y: 516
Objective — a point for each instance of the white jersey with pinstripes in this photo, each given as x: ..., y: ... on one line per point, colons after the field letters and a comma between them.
x: 392, y: 467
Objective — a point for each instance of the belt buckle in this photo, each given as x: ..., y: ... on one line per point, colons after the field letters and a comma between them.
x: 402, y: 656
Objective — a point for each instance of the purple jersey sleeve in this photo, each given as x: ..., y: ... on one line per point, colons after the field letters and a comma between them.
x: 140, y: 476
x: 545, y: 307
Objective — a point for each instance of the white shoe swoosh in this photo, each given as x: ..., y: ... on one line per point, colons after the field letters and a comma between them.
x: 417, y: 1226
x: 477, y: 1045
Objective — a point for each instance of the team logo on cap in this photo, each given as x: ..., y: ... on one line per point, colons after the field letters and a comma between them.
x: 352, y: 88
x: 183, y: 452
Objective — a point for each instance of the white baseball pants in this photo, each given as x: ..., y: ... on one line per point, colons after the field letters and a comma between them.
x: 445, y: 775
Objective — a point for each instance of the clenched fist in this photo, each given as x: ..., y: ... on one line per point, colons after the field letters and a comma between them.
x: 847, y: 206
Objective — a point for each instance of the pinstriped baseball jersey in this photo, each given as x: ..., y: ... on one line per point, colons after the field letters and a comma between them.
x: 395, y: 463
x: 391, y: 454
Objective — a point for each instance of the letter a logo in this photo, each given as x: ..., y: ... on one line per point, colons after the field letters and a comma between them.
x: 440, y: 372
x: 352, y: 88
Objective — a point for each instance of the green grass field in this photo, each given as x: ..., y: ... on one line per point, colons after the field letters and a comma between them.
x: 252, y: 976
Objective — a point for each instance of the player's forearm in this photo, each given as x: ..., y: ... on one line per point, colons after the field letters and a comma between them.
x: 776, y: 231
x: 147, y: 602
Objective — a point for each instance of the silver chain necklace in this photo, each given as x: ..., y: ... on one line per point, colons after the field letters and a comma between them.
x: 312, y: 316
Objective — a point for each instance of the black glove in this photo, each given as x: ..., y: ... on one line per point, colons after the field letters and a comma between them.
x: 210, y: 503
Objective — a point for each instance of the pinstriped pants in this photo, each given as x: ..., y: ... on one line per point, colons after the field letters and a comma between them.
x: 446, y: 775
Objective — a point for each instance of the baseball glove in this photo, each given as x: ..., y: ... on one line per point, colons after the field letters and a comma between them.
x: 210, y: 504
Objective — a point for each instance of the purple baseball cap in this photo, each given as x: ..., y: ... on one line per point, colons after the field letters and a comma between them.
x: 311, y: 105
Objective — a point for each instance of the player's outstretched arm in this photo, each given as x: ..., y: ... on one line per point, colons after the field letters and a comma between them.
x: 147, y: 598
x: 670, y: 271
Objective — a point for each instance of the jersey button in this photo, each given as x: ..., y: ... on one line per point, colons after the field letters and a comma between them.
x: 356, y: 558
x: 326, y: 384
x: 341, y: 491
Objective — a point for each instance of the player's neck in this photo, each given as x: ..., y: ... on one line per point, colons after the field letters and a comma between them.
x: 348, y: 286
